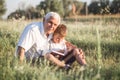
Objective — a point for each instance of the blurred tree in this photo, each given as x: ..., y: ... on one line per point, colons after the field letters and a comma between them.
x: 66, y: 7
x: 2, y: 7
x: 79, y: 7
x: 56, y: 5
x: 105, y: 6
x: 94, y: 7
x: 51, y: 5
x: 41, y: 8
x: 84, y: 9
x: 99, y: 7
x: 17, y: 14
x: 31, y: 12
x: 115, y: 7
x: 72, y: 7
x: 63, y: 7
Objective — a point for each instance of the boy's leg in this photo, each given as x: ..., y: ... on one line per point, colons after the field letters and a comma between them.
x: 74, y: 54
x: 79, y: 55
x: 69, y: 58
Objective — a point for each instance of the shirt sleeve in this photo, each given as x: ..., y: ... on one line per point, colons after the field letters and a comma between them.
x: 27, y: 38
x: 44, y: 52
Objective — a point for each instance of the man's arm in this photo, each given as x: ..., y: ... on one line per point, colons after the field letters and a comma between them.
x: 21, y: 52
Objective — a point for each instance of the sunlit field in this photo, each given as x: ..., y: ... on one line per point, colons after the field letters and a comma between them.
x: 99, y: 39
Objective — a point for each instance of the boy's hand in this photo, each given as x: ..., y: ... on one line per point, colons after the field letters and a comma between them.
x: 70, y: 46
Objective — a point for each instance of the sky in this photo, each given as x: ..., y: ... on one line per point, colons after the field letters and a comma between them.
x: 13, y: 5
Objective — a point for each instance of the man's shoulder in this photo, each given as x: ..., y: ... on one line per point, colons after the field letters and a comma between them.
x: 34, y: 25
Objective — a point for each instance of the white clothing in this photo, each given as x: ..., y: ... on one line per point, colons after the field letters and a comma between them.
x: 58, y: 46
x: 34, y: 40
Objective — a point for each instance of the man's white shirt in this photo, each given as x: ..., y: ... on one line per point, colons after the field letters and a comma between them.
x: 34, y: 40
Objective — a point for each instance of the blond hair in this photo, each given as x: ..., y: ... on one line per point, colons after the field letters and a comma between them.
x: 61, y: 30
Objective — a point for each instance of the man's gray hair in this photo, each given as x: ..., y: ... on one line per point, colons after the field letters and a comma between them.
x: 54, y: 15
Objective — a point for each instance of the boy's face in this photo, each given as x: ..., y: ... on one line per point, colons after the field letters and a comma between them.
x: 57, y: 38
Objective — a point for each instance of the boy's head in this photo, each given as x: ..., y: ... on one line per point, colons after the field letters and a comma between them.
x: 59, y: 33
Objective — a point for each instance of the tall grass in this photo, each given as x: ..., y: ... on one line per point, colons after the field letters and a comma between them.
x: 99, y: 40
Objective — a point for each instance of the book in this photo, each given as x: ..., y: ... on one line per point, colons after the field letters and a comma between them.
x: 58, y: 53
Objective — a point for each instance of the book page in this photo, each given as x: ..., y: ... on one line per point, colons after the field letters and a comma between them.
x: 58, y: 53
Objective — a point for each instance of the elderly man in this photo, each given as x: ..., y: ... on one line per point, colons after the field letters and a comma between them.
x: 35, y: 38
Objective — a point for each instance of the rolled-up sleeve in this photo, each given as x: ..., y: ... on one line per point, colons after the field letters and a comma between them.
x: 27, y: 39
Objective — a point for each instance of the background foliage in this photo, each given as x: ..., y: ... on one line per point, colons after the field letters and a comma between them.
x: 2, y: 7
x: 67, y: 8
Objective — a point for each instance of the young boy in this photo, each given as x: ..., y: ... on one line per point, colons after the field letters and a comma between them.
x: 68, y: 52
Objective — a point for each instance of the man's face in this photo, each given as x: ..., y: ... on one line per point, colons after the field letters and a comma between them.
x: 57, y: 38
x: 50, y: 25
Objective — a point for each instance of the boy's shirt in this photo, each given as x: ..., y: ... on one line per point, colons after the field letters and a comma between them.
x: 58, y: 46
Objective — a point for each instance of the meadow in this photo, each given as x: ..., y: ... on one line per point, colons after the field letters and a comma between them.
x: 99, y: 39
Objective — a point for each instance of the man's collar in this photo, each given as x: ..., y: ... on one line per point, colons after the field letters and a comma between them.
x: 43, y: 33
x: 42, y: 29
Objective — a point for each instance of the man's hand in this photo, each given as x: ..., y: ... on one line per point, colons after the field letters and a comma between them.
x: 53, y: 59
x: 21, y: 52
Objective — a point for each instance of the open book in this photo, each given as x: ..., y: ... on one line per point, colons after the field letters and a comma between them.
x: 62, y: 54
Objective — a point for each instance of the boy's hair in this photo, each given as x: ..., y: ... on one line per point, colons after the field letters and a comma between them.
x: 61, y: 30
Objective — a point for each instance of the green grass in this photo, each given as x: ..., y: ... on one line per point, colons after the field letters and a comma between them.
x: 99, y: 40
